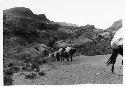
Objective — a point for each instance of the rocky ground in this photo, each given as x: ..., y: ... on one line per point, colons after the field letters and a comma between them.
x: 83, y: 70
x: 28, y: 35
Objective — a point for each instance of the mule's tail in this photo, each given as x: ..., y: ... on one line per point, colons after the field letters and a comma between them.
x: 111, y: 59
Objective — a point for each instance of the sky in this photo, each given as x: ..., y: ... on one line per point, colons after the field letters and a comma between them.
x: 101, y: 13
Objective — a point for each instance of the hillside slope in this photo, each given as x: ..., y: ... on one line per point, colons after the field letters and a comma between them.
x: 22, y: 30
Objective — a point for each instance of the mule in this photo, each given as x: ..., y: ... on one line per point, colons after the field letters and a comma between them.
x: 61, y: 51
x: 68, y: 53
x: 117, y: 45
x: 57, y: 54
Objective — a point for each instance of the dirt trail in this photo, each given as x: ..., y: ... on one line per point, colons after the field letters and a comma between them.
x: 83, y: 70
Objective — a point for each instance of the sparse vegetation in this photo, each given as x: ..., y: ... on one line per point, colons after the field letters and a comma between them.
x: 8, y: 80
x: 31, y: 76
x: 23, y: 31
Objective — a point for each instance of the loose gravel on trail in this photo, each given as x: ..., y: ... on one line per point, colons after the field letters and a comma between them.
x: 82, y: 70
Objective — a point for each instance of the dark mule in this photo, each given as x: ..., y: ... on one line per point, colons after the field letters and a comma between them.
x: 112, y: 59
x: 61, y: 51
x: 65, y: 56
x: 54, y: 55
x: 117, y: 45
x: 57, y: 55
x: 69, y: 54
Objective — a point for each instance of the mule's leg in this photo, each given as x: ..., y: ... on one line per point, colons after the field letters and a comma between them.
x: 112, y: 68
x: 120, y: 51
x: 58, y: 59
x: 61, y: 58
x: 113, y: 58
x: 71, y: 57
x: 68, y: 58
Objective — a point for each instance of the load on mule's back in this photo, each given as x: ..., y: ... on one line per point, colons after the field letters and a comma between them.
x: 117, y: 45
x: 63, y: 53
x: 57, y: 54
x: 68, y: 53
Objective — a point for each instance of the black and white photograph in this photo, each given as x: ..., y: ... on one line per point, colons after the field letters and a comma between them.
x: 62, y: 42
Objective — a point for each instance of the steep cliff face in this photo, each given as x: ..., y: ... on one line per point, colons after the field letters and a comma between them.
x: 22, y: 23
x: 115, y: 26
x: 25, y: 12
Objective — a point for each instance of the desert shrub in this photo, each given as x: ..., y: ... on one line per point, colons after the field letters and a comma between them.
x: 100, y: 46
x: 41, y: 73
x: 8, y: 80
